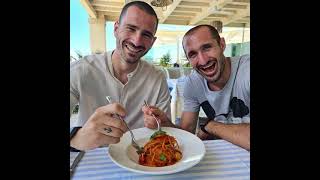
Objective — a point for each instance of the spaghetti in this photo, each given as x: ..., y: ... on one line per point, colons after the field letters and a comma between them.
x: 161, y: 150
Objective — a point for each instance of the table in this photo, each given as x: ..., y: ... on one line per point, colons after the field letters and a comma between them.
x: 222, y: 160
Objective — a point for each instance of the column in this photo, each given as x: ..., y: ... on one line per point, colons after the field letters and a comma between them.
x: 97, y: 34
x: 178, y: 50
x: 218, y: 25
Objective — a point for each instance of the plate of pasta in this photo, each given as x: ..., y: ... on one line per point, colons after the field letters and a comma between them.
x: 170, y: 151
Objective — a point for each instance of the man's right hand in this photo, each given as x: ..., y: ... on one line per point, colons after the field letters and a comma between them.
x: 149, y: 120
x: 101, y: 128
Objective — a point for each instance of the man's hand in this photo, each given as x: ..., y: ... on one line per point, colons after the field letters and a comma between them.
x: 149, y: 120
x: 202, y: 135
x: 101, y: 128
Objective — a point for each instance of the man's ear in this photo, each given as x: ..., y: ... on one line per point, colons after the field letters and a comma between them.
x: 222, y: 43
x: 116, y: 27
x: 154, y: 40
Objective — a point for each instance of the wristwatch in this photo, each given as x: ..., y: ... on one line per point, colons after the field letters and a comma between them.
x: 202, y: 126
x: 72, y: 133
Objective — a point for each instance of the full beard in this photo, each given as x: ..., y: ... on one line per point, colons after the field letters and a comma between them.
x: 130, y: 53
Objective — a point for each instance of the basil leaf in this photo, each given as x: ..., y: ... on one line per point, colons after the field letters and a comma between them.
x: 162, y: 157
x: 157, y: 133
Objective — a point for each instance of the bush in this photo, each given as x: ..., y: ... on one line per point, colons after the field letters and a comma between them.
x: 187, y: 65
x: 76, y: 109
x: 165, y: 59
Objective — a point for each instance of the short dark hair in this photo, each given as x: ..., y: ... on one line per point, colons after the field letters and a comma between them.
x: 141, y: 5
x: 214, y: 33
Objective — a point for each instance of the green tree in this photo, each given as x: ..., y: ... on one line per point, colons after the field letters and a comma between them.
x: 165, y: 59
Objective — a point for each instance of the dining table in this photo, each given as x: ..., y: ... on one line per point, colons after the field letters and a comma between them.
x: 222, y: 160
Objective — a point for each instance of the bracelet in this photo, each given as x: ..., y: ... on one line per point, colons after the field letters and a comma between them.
x: 202, y: 126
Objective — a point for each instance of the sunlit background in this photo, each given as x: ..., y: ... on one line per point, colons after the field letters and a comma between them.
x: 168, y: 38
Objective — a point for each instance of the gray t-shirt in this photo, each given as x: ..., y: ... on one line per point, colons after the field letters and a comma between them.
x: 92, y: 79
x: 228, y: 108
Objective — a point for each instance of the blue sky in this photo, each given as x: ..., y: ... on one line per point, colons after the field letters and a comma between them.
x: 79, y: 28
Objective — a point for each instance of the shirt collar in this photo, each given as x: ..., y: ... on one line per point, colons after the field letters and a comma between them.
x: 110, y: 65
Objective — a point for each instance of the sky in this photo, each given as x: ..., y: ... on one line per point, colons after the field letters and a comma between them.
x: 79, y: 29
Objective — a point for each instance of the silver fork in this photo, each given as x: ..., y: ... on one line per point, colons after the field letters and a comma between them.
x: 133, y: 140
x: 157, y: 120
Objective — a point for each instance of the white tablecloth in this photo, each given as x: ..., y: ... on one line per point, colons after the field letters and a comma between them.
x: 223, y: 160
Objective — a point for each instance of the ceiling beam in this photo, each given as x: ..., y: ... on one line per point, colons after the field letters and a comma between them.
x: 179, y: 22
x: 217, y: 15
x: 169, y: 10
x: 193, y: 4
x: 107, y: 3
x: 238, y: 15
x: 230, y: 11
x: 112, y: 9
x: 241, y: 1
x: 185, y: 9
x: 237, y: 25
x: 86, y: 4
x: 176, y: 18
x: 183, y: 14
x: 213, y: 7
x: 235, y: 6
x: 109, y: 13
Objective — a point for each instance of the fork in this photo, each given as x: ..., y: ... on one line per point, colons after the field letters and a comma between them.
x: 157, y: 120
x: 133, y: 140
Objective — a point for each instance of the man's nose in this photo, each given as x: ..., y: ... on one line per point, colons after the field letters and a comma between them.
x: 137, y: 39
x: 202, y: 58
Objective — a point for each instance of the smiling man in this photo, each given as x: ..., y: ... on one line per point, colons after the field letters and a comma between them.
x: 123, y: 76
x: 220, y: 85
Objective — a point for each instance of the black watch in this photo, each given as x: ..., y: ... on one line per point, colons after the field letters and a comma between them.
x: 202, y: 126
x: 72, y: 133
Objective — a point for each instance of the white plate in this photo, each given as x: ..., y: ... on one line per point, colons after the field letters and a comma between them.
x: 124, y: 155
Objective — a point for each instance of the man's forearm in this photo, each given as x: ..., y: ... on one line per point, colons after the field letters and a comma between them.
x: 238, y: 134
x: 169, y: 123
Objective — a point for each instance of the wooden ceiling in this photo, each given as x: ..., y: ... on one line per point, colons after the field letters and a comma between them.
x: 232, y: 13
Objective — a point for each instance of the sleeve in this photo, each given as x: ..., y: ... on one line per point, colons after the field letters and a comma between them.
x: 191, y: 103
x: 73, y: 102
x: 245, y: 74
x: 246, y: 119
x: 74, y: 84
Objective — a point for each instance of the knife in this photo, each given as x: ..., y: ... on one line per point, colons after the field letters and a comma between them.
x: 75, y: 162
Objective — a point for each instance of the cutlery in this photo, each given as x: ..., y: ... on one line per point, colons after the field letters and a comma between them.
x: 76, y: 162
x: 133, y: 141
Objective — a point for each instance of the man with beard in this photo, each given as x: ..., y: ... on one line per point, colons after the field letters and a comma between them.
x: 121, y: 75
x: 220, y: 85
